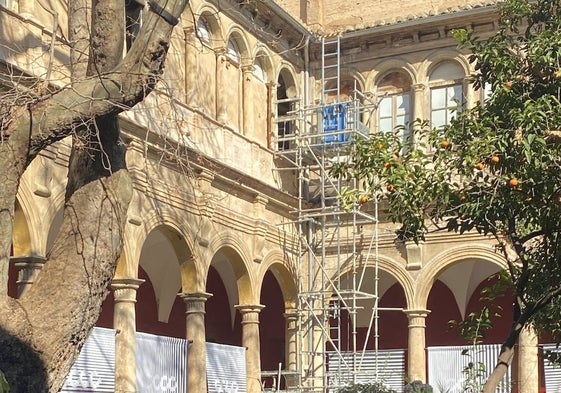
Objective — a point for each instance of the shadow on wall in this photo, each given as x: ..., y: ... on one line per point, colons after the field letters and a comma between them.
x: 24, y: 370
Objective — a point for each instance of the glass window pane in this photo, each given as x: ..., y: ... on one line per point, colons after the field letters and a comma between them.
x: 438, y: 98
x: 232, y: 52
x: 386, y: 124
x: 451, y: 114
x: 438, y: 118
x: 401, y: 120
x: 203, y: 31
x: 259, y: 71
x: 385, y: 107
x: 402, y: 105
x: 454, y: 95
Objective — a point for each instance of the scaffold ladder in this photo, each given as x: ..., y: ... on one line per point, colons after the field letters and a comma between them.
x: 331, y: 69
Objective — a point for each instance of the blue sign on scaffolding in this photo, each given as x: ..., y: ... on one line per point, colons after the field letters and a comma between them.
x: 335, y: 119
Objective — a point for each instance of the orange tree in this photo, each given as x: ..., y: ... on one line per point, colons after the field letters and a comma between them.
x: 495, y: 169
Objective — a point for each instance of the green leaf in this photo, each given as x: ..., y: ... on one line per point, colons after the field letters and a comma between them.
x: 4, y: 386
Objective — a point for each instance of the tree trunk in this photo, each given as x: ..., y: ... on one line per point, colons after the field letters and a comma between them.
x: 498, y: 373
x: 42, y: 333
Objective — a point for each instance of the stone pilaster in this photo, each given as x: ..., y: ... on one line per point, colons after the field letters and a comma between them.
x: 221, y: 99
x: 470, y: 95
x: 416, y: 351
x: 250, y: 338
x: 124, y: 321
x: 28, y: 270
x: 291, y: 348
x: 247, y: 103
x: 419, y: 98
x: 195, y: 334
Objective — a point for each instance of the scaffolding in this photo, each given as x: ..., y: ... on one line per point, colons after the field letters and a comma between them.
x: 338, y: 246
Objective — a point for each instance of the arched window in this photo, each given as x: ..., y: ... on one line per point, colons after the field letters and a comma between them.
x: 286, y: 103
x: 394, y: 103
x: 259, y: 70
x: 233, y: 52
x: 446, y: 92
x: 203, y: 31
x: 10, y: 4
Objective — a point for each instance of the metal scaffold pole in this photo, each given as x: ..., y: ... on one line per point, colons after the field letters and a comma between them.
x: 336, y: 261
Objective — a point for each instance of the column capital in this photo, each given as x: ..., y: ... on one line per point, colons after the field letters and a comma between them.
x: 29, y: 261
x: 248, y: 68
x: 28, y: 268
x: 250, y: 312
x: 416, y: 317
x: 124, y: 289
x: 195, y: 301
x: 291, y: 313
x: 418, y: 87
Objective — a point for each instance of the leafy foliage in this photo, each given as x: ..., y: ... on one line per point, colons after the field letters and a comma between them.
x: 4, y: 386
x: 496, y: 168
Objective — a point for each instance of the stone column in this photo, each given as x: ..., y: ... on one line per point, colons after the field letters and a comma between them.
x: 28, y: 270
x: 195, y: 334
x: 419, y: 103
x: 190, y: 66
x: 416, y: 354
x: 470, y: 95
x: 250, y: 338
x: 291, y: 347
x: 247, y: 122
x: 124, y: 321
x: 528, y: 370
x: 221, y: 105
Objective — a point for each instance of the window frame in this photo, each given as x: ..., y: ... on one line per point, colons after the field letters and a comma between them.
x: 393, y: 96
x: 233, y: 53
x: 449, y: 110
x: 204, y: 33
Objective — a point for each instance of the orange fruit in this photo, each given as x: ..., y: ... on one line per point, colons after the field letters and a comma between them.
x: 444, y: 144
x: 513, y: 182
x: 495, y: 159
x: 390, y: 188
x: 479, y: 166
x: 363, y: 199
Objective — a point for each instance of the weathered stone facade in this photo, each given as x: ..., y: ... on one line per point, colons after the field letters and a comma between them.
x: 213, y: 201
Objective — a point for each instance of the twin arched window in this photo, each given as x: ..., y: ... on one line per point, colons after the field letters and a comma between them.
x: 395, y: 98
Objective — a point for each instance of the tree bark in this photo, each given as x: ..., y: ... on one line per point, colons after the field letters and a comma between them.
x: 42, y: 333
x: 498, y: 373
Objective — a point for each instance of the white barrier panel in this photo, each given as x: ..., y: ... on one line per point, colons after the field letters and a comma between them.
x: 385, y: 366
x: 225, y: 368
x: 446, y: 366
x: 552, y: 372
x: 94, y: 370
x: 161, y: 364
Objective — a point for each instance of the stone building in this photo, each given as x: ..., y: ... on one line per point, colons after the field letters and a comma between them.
x: 234, y: 235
